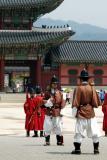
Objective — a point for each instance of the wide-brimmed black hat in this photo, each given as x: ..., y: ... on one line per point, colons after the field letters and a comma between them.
x: 54, y: 79
x: 84, y: 74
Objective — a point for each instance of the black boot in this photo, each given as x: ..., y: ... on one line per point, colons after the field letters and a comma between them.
x: 62, y: 140
x: 47, y: 140
x: 77, y: 148
x: 41, y: 134
x: 59, y: 140
x: 96, y: 150
x: 35, y: 134
x: 27, y: 133
x: 106, y: 134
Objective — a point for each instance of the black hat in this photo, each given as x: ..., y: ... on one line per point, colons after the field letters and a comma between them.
x: 38, y: 89
x: 31, y: 90
x: 54, y: 79
x: 84, y: 74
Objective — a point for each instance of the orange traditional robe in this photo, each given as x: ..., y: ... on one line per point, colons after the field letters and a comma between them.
x: 85, y: 98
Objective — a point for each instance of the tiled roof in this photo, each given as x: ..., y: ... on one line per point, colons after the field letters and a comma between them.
x: 32, y: 9
x: 28, y: 3
x: 81, y: 52
x: 13, y: 38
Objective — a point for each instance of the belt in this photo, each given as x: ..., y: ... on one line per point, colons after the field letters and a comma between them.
x: 81, y: 105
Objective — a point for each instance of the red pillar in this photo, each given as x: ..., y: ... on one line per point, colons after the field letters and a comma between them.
x: 1, y: 74
x: 38, y: 71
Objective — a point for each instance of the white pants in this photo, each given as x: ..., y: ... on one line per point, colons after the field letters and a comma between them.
x: 86, y: 126
x: 54, y: 124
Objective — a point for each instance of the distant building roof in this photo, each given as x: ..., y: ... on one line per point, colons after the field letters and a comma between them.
x: 81, y: 52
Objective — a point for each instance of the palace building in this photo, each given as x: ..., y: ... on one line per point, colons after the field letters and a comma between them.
x: 34, y: 54
x: 24, y: 50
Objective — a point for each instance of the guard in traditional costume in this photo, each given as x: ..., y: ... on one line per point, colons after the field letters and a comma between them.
x: 104, y: 109
x: 40, y: 115
x: 53, y: 119
x: 28, y: 108
x: 85, y: 99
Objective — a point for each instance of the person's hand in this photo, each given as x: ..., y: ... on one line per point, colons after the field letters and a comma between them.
x: 52, y: 99
x: 74, y: 111
x: 26, y: 105
x: 44, y: 101
x: 39, y: 114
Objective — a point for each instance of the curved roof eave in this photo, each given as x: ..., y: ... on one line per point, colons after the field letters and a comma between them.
x: 36, y: 8
x: 10, y: 38
x: 46, y: 5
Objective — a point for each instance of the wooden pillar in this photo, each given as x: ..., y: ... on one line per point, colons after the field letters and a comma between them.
x: 1, y: 74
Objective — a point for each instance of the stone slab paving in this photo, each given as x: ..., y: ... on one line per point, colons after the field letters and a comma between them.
x: 15, y: 146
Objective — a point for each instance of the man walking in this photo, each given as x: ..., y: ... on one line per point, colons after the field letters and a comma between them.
x: 102, y: 95
x: 85, y: 99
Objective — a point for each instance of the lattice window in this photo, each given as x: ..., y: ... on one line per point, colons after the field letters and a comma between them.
x: 73, y: 64
x: 98, y: 64
x: 73, y: 72
x: 98, y: 72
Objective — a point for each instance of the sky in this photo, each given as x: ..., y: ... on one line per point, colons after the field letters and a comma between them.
x: 92, y: 12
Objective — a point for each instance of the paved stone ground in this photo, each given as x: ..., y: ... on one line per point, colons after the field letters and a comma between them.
x: 15, y: 146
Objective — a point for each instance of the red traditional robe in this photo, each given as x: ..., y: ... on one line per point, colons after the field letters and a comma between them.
x: 104, y: 109
x: 28, y: 108
x: 34, y: 114
x: 40, y: 115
